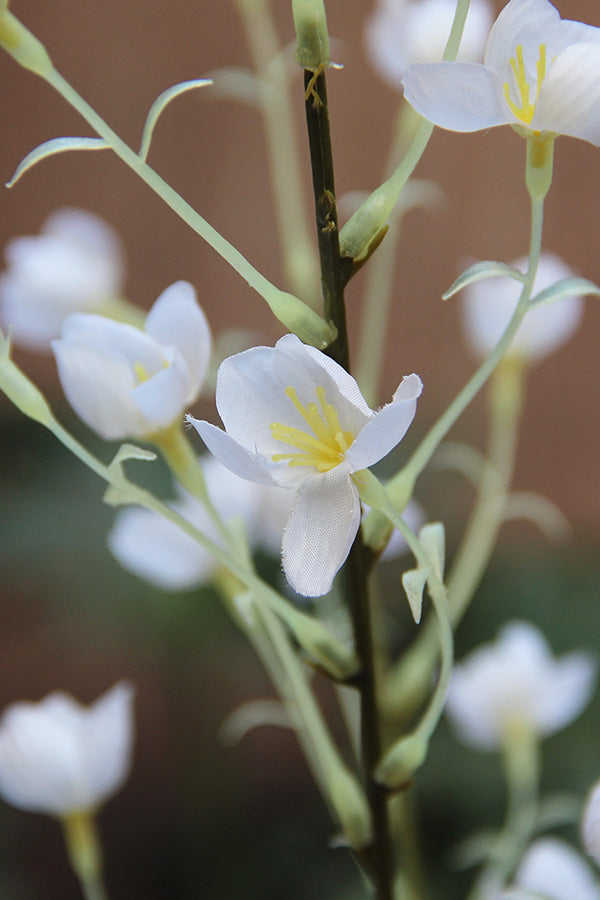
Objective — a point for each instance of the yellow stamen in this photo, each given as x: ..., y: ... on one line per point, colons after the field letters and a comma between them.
x: 325, y: 448
x: 523, y: 109
x: 140, y: 372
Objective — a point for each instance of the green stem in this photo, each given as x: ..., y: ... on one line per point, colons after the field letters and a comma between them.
x: 299, y: 257
x: 407, y: 682
x: 83, y: 849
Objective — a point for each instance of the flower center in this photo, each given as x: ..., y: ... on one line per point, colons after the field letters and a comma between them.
x: 326, y: 447
x: 524, y: 108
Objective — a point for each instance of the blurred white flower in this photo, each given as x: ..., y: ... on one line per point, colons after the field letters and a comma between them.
x: 488, y: 305
x: 151, y: 547
x: 541, y: 74
x: 552, y: 869
x: 293, y: 398
x: 75, y: 264
x: 125, y: 382
x: 59, y: 757
x: 401, y: 32
x: 590, y: 824
x: 516, y: 684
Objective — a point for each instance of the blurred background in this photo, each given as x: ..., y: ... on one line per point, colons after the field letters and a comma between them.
x: 197, y: 819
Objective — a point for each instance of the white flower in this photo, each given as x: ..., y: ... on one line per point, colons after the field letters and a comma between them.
x: 59, y: 757
x: 553, y: 870
x: 541, y: 73
x: 125, y: 382
x: 74, y: 265
x: 401, y: 32
x: 295, y: 418
x: 590, y: 823
x: 156, y: 550
x: 514, y: 684
x: 487, y: 307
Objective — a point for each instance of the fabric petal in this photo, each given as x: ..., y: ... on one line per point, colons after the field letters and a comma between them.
x: 116, y: 338
x: 162, y: 398
x: 177, y: 320
x: 238, y: 459
x: 569, y: 101
x: 320, y: 531
x: 569, y: 691
x: 525, y: 22
x: 387, y: 427
x: 457, y: 96
x: 107, y: 741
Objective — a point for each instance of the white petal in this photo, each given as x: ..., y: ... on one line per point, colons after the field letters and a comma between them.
x: 177, y: 320
x: 86, y: 230
x: 387, y: 427
x: 237, y: 458
x: 569, y: 101
x: 151, y: 547
x: 161, y: 399
x: 457, y: 96
x: 570, y: 688
x: 590, y: 823
x: 320, y: 531
x: 98, y: 388
x: 525, y: 22
x: 552, y: 868
x: 108, y: 741
x: 117, y: 338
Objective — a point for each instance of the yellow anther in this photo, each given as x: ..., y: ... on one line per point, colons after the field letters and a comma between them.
x: 322, y: 450
x: 140, y: 372
x: 523, y: 109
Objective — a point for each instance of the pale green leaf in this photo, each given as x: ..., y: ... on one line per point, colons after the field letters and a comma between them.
x: 159, y: 105
x: 251, y: 715
x: 237, y: 83
x: 568, y: 287
x: 481, y: 270
x: 541, y: 512
x: 414, y: 584
x: 50, y: 148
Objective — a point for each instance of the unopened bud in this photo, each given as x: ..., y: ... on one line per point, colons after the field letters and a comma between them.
x: 23, y: 45
x: 310, y: 22
x: 401, y: 761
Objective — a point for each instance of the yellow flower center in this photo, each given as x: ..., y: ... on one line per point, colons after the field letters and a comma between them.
x: 326, y: 447
x: 524, y: 108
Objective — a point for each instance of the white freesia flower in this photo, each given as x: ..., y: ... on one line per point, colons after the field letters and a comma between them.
x: 552, y: 869
x: 295, y: 418
x: 156, y: 550
x: 590, y: 824
x: 74, y: 265
x: 125, y: 382
x: 540, y: 73
x: 401, y: 32
x: 487, y: 307
x: 59, y: 757
x: 515, y: 683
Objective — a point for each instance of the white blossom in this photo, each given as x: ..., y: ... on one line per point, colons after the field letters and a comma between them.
x: 125, y: 382
x: 487, y: 307
x: 516, y: 683
x: 59, y: 757
x: 401, y: 32
x: 590, y: 824
x: 552, y: 869
x: 295, y: 418
x: 541, y: 74
x: 75, y: 264
x: 157, y: 550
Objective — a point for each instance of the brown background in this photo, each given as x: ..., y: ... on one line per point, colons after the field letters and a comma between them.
x: 120, y: 54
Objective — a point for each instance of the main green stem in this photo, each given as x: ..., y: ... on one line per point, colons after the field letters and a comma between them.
x: 378, y: 857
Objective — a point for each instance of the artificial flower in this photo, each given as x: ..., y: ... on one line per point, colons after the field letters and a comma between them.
x: 125, y: 382
x: 487, y: 307
x: 75, y: 264
x: 553, y: 870
x: 296, y: 419
x: 157, y: 550
x: 59, y: 757
x: 516, y: 684
x: 540, y: 73
x: 401, y: 32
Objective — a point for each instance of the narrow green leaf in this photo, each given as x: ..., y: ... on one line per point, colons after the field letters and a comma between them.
x: 251, y: 715
x: 50, y: 148
x: 159, y: 105
x: 413, y: 583
x: 237, y: 83
x: 568, y: 287
x: 481, y: 270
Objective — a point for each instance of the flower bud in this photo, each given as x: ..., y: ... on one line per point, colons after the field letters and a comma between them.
x: 350, y: 806
x: 310, y: 21
x: 20, y: 390
x: 401, y: 761
x: 23, y: 45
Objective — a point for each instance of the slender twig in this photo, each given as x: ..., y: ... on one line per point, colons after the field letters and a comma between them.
x: 378, y: 858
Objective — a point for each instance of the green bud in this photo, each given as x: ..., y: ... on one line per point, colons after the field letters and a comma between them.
x: 310, y: 22
x: 350, y: 805
x: 362, y: 229
x: 401, y: 761
x: 300, y: 318
x: 325, y: 648
x: 20, y: 390
x: 23, y: 45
